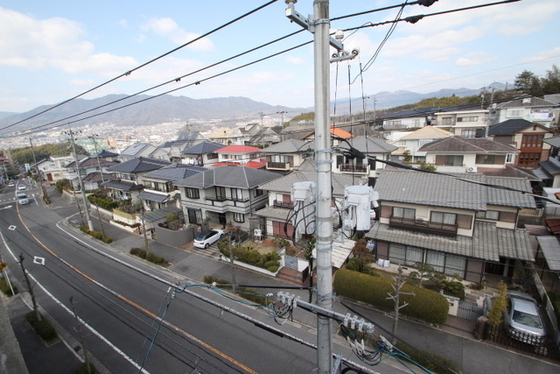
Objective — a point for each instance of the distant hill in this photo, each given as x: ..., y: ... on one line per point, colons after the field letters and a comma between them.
x: 153, y: 111
x: 180, y: 108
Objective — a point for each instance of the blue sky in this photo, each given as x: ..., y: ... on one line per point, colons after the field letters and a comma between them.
x: 53, y: 50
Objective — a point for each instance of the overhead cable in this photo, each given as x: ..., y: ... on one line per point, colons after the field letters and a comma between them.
x: 144, y: 64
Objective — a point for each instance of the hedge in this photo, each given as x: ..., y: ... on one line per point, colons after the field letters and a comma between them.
x: 148, y: 256
x: 102, y: 203
x: 426, y: 305
x: 43, y: 328
x: 96, y: 234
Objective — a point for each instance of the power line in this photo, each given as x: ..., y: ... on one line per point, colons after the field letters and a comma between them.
x: 144, y: 64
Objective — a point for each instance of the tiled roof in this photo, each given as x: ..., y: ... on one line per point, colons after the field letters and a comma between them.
x: 447, y: 191
x: 152, y: 196
x: 509, y: 127
x: 533, y: 101
x: 285, y: 183
x: 229, y: 176
x: 238, y: 149
x: 554, y: 141
x: 551, y: 251
x: 509, y: 171
x: 427, y: 132
x: 335, y: 131
x: 460, y: 144
x: 175, y: 172
x: 551, y: 166
x: 370, y: 145
x: 250, y: 164
x: 133, y: 150
x: 287, y: 146
x: 488, y: 242
x: 139, y: 164
x: 159, y: 214
x: 122, y: 185
x: 203, y: 148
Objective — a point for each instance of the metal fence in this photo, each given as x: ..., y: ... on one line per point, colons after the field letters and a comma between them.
x: 468, y: 310
x: 524, y: 342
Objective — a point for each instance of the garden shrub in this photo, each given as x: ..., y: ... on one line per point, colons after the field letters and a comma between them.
x: 5, y: 287
x: 454, y: 288
x: 43, y: 328
x: 420, y: 358
x: 83, y: 369
x: 103, y: 203
x: 148, y: 256
x: 272, y: 268
x: 107, y: 240
x: 252, y: 256
x: 426, y: 305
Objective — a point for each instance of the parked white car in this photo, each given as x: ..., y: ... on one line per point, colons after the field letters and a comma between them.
x: 206, y: 239
x: 22, y: 187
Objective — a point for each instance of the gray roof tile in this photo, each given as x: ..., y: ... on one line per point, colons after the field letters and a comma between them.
x: 229, y: 176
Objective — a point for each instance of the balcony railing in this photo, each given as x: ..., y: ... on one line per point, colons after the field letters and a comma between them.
x: 278, y: 165
x: 351, y: 168
x: 283, y: 204
x: 421, y: 225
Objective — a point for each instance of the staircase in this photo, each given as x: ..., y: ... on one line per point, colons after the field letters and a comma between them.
x: 290, y: 275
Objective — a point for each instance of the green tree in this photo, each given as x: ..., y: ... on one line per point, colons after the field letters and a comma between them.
x: 496, y: 313
x: 551, y: 82
x: 427, y: 166
x: 527, y: 82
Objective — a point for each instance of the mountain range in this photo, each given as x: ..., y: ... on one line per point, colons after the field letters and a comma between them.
x: 169, y: 108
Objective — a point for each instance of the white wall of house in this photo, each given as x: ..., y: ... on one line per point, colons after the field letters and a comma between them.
x: 463, y: 123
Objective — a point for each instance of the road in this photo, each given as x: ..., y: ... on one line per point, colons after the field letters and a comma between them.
x: 133, y: 322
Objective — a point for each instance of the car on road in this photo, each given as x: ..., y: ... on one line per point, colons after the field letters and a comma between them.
x: 206, y: 239
x: 522, y: 318
x: 22, y: 199
x: 22, y: 187
x: 11, y: 184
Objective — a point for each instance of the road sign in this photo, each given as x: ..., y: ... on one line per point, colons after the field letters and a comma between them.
x: 3, y: 265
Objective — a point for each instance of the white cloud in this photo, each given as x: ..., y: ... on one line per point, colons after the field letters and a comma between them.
x: 295, y: 60
x: 544, y: 55
x: 475, y: 58
x: 168, y: 28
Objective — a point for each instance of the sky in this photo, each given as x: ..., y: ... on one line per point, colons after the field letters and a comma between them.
x: 51, y: 51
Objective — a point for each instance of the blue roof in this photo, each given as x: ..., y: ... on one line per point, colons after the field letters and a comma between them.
x: 202, y: 148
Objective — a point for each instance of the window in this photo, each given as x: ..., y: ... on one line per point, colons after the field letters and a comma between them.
x: 414, y: 255
x: 192, y: 193
x: 220, y: 193
x: 397, y: 253
x: 211, y: 156
x: 467, y: 119
x: 445, y: 218
x: 407, y: 213
x: 449, y: 160
x: 258, y: 192
x: 447, y: 121
x: 239, y: 217
x: 489, y: 214
x: 490, y: 159
x: 436, y: 260
x: 470, y: 133
x: 514, y: 113
x: 509, y: 158
x: 455, y: 265
x: 236, y: 194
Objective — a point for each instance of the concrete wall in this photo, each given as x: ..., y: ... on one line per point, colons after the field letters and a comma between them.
x: 176, y: 238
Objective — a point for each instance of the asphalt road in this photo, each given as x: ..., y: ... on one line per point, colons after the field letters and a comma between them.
x: 131, y: 320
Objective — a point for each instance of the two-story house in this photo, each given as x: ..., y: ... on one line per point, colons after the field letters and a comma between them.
x: 128, y: 184
x: 238, y: 154
x: 457, y: 154
x: 159, y: 186
x: 202, y: 154
x: 409, y: 145
x: 280, y: 204
x: 358, y: 166
x: 456, y: 227
x: 225, y: 194
x: 465, y: 123
x: 530, y: 108
x: 136, y: 150
x: 549, y: 171
x: 287, y: 155
x: 227, y: 136
x: 527, y: 137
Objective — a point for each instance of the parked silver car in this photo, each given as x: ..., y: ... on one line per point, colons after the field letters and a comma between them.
x: 522, y: 318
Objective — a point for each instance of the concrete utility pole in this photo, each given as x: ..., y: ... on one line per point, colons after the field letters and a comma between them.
x: 80, y: 182
x: 319, y: 26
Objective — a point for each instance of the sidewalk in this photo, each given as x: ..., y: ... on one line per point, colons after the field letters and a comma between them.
x: 454, y: 340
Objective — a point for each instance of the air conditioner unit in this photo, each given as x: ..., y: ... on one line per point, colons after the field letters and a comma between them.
x: 472, y: 169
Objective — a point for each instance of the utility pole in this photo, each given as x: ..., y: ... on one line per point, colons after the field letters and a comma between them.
x: 319, y: 26
x: 80, y: 182
x: 31, y: 293
x: 82, y: 342
x: 34, y: 159
x: 282, y: 112
x: 262, y: 118
x: 102, y: 180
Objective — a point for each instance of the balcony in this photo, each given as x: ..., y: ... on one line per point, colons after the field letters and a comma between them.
x: 421, y: 225
x: 351, y: 168
x: 283, y: 204
x: 278, y: 165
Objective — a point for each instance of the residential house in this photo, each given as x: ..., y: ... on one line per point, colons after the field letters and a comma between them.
x: 96, y: 180
x: 280, y: 205
x: 96, y: 164
x: 336, y: 133
x: 44, y: 167
x: 409, y: 144
x: 358, y: 166
x: 457, y: 154
x: 173, y: 150
x: 58, y: 170
x: 227, y: 137
x: 465, y: 123
x: 202, y: 154
x: 525, y: 136
x: 129, y: 177
x: 456, y: 227
x: 265, y: 137
x: 287, y: 155
x: 406, y: 120
x: 238, y: 154
x: 530, y: 108
x: 225, y: 194
x: 137, y: 150
x: 159, y: 188
x: 549, y: 171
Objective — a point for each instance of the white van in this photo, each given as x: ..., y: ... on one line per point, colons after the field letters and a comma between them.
x: 22, y: 198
